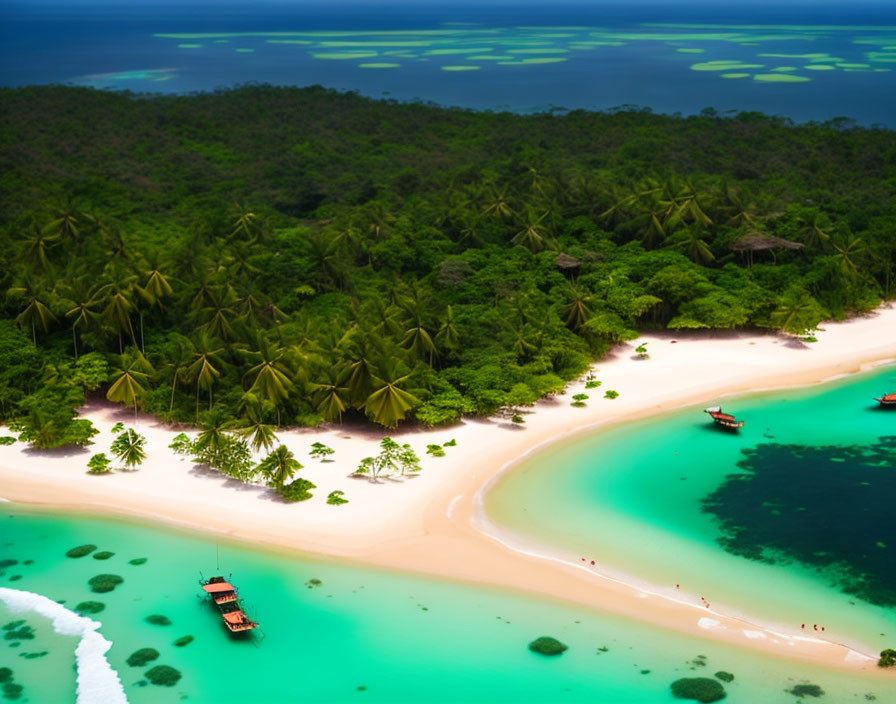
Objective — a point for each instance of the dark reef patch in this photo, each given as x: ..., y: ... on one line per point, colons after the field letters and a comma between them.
x: 90, y: 607
x: 103, y: 555
x: 158, y: 620
x: 104, y: 582
x: 163, y: 675
x: 183, y: 640
x: 81, y: 551
x: 545, y: 645
x: 140, y: 657
x: 827, y: 507
x: 701, y: 689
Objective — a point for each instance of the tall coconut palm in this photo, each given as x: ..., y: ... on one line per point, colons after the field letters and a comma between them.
x: 577, y: 306
x: 447, y: 336
x: 81, y: 301
x: 206, y: 366
x: 532, y: 235
x: 270, y: 377
x: 390, y: 401
x: 36, y: 312
x: 36, y: 247
x: 328, y: 395
x: 118, y: 298
x: 252, y: 426
x: 130, y: 375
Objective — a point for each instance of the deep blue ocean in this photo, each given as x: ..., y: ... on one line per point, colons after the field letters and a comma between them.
x: 805, y: 61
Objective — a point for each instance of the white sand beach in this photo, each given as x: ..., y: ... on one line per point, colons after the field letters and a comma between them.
x: 429, y: 522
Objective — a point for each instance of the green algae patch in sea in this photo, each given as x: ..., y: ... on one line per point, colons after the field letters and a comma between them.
x: 90, y: 607
x: 382, y: 64
x: 461, y: 68
x: 344, y: 55
x: 81, y: 551
x: 734, y: 75
x: 724, y: 676
x: 182, y: 641
x: 8, y: 562
x: 163, y: 675
x: 245, y: 51
x: 545, y: 645
x: 780, y: 78
x: 158, y: 620
x: 701, y: 689
x: 798, y: 502
x: 102, y: 583
x: 103, y: 555
x: 806, y: 690
x: 820, y: 67
x: 140, y: 657
x: 690, y: 50
x: 137, y: 561
x: 189, y: 46
x: 545, y: 60
x: 724, y: 65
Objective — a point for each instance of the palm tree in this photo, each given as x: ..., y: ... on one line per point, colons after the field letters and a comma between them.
x: 416, y: 338
x: 576, y: 310
x: 128, y: 447
x: 271, y: 374
x: 81, y: 300
x: 131, y: 374
x: 361, y: 348
x: 36, y: 311
x: 531, y: 236
x: 850, y: 252
x: 179, y: 352
x: 246, y: 225
x: 36, y: 246
x: 497, y: 206
x: 447, y: 336
x: 389, y: 402
x: 213, y: 436
x: 691, y: 243
x: 67, y: 222
x: 206, y: 366
x: 329, y: 396
x: 118, y: 297
x: 279, y: 466
x: 252, y: 426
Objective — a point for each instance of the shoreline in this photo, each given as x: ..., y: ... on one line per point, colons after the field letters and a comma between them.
x: 402, y: 524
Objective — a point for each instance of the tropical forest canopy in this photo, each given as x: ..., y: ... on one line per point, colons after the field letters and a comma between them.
x: 290, y: 256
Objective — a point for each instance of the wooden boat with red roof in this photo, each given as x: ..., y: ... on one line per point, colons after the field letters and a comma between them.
x: 724, y: 420
x: 225, y: 597
x: 887, y: 401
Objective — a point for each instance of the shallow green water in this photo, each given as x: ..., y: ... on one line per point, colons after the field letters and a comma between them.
x: 403, y: 638
x: 630, y: 499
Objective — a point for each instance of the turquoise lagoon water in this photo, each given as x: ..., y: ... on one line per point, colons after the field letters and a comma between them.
x: 807, y: 496
x: 360, y: 635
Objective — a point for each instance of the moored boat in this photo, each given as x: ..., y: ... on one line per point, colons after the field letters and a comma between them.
x: 724, y: 420
x: 225, y: 597
x: 887, y: 401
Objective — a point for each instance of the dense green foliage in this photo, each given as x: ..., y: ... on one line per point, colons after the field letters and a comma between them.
x: 887, y: 658
x: 288, y: 256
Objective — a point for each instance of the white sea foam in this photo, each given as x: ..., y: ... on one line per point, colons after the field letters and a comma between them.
x: 97, y: 682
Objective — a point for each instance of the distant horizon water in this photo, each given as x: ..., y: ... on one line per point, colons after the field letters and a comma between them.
x: 803, y: 63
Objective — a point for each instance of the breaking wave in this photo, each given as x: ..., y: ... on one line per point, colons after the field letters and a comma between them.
x: 97, y: 682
